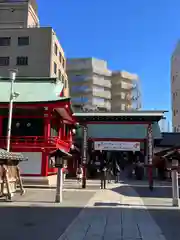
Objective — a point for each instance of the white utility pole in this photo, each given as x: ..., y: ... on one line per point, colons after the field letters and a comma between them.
x: 12, y: 76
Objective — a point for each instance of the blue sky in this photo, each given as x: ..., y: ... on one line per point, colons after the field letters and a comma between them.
x: 134, y: 35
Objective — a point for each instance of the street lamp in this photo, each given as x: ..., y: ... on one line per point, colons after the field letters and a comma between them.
x: 13, y: 95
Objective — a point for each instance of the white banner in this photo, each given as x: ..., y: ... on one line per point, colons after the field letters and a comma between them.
x: 117, y: 146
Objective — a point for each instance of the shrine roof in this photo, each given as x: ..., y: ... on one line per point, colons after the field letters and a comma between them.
x: 129, y: 116
x: 4, y: 155
x: 32, y: 90
x: 169, y: 139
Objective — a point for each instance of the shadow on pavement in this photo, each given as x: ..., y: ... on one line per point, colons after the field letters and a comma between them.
x: 99, y: 204
x: 47, y: 223
x: 168, y: 221
x: 143, y: 191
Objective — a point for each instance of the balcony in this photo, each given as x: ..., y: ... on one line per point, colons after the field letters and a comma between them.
x: 102, y: 94
x: 36, y: 142
x: 100, y: 81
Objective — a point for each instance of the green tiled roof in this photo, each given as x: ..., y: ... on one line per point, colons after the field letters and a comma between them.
x: 32, y: 90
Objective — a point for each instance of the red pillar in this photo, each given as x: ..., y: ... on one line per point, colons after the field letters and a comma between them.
x: 47, y: 134
x: 150, y: 145
x: 84, y: 155
x: 1, y: 130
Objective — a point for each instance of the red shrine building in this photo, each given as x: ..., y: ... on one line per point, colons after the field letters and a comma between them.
x: 42, y: 122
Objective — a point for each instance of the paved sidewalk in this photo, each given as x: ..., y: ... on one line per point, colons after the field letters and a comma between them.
x: 35, y: 216
x: 69, y: 184
x: 112, y: 216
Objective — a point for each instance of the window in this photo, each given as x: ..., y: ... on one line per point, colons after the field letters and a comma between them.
x: 175, y: 112
x: 63, y: 62
x: 4, y: 61
x: 80, y: 88
x: 23, y: 61
x: 62, y: 79
x: 5, y: 41
x: 123, y: 106
x: 55, y: 49
x: 79, y: 78
x: 173, y: 96
x: 59, y: 74
x: 60, y: 57
x: 97, y: 100
x: 123, y: 95
x: 98, y: 89
x: 23, y: 41
x: 80, y: 100
x: 55, y: 68
x: 65, y: 83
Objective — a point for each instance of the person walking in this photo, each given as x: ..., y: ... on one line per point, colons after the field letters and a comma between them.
x: 65, y: 172
x: 109, y: 172
x: 117, y: 171
x: 103, y: 172
x: 79, y: 173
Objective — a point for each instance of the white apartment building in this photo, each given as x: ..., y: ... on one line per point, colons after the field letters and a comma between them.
x: 90, y: 82
x: 175, y: 88
x: 126, y: 94
x: 35, y: 51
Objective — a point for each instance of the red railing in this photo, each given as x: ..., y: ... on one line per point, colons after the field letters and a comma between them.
x: 36, y: 142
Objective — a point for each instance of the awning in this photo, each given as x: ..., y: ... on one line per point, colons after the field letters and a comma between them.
x: 13, y: 156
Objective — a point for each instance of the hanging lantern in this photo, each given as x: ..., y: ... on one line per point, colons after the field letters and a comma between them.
x: 28, y: 124
x: 17, y: 124
x: 73, y: 131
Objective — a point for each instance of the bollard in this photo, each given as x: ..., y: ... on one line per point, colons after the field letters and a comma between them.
x: 59, y: 186
x: 175, y: 184
x: 84, y: 176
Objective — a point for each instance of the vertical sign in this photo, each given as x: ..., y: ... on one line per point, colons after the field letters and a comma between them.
x: 84, y: 144
x: 150, y: 143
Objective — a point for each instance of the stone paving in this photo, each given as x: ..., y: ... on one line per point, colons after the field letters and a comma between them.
x: 35, y: 216
x: 117, y: 213
x: 69, y: 185
x: 159, y: 205
x: 110, y: 215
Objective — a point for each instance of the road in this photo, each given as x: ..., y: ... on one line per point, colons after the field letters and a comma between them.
x: 36, y: 216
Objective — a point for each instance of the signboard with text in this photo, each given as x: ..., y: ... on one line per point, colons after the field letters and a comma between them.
x: 117, y: 146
